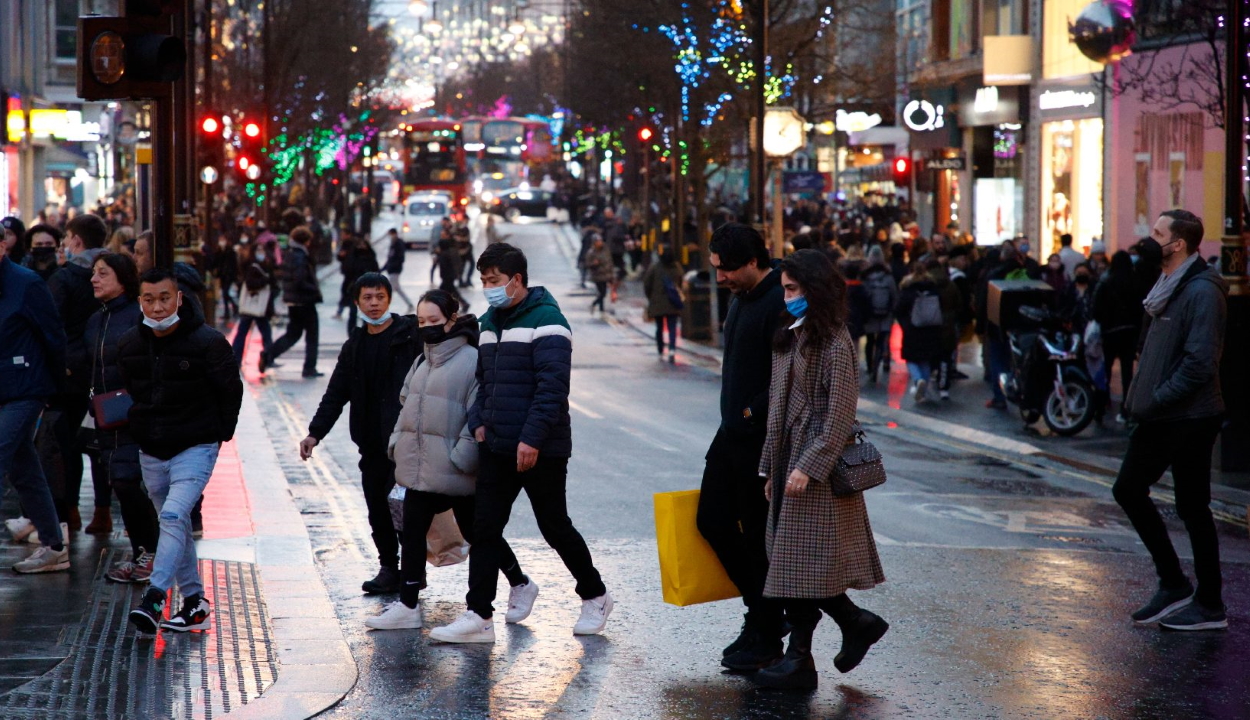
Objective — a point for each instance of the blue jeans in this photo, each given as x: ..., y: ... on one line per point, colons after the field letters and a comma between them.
x: 245, y: 326
x: 20, y: 462
x: 919, y: 371
x: 175, y: 485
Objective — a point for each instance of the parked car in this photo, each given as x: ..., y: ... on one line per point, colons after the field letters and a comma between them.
x: 518, y: 202
x: 423, y: 215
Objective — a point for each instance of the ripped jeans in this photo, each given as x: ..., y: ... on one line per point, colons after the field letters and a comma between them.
x: 175, y: 486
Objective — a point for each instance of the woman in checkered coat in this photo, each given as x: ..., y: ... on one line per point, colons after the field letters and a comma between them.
x: 819, y: 546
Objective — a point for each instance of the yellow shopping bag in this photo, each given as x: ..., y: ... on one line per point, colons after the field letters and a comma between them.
x: 689, y: 570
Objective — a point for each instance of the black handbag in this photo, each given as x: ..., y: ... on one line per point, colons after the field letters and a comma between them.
x: 860, y: 467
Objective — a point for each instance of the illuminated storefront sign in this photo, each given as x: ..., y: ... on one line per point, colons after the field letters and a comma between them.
x: 924, y: 116
x: 1064, y: 99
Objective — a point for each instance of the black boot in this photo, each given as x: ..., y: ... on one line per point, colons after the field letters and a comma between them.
x: 386, y: 581
x: 858, y: 634
x: 797, y: 669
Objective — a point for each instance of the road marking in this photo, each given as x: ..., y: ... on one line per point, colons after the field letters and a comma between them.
x: 588, y: 413
x: 647, y: 439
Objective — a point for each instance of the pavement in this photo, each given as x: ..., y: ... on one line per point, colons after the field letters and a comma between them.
x: 1010, y: 576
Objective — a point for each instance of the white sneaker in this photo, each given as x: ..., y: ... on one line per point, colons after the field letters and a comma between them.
x: 33, y: 537
x: 19, y: 528
x: 521, y: 602
x: 44, y: 560
x: 594, y: 615
x: 397, y: 616
x: 468, y: 628
x: 922, y: 391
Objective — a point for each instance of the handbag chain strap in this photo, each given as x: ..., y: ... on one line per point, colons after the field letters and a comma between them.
x: 99, y: 351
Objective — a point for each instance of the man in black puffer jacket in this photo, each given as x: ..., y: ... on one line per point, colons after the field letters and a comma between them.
x: 302, y: 293
x: 369, y: 374
x: 185, y: 385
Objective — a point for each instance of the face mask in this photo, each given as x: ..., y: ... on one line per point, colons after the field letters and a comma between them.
x: 1150, y: 251
x: 260, y: 257
x: 43, y: 255
x: 1024, y: 248
x: 1082, y: 280
x: 797, y: 307
x: 161, y: 325
x: 1135, y: 258
x: 432, y: 334
x: 498, y: 297
x: 380, y: 321
x: 68, y: 255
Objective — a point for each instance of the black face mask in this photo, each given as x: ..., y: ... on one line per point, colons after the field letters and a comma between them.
x: 1082, y: 280
x: 1150, y: 251
x: 432, y: 334
x: 43, y: 256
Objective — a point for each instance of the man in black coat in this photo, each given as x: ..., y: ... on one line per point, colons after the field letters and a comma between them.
x: 184, y: 382
x: 733, y: 511
x: 302, y: 293
x: 396, y: 253
x: 369, y: 374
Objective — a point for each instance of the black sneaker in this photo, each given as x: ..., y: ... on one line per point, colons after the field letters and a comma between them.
x: 1195, y: 616
x: 759, y: 654
x: 386, y: 581
x: 147, y: 617
x: 1164, y: 602
x: 314, y: 374
x: 192, y: 616
x: 744, y: 639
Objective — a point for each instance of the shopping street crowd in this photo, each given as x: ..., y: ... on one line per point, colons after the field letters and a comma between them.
x: 114, y: 357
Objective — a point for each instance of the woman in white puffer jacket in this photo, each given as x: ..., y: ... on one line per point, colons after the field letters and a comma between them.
x: 436, y: 456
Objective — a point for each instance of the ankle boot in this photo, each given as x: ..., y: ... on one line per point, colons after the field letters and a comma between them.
x: 858, y: 634
x: 74, y: 520
x: 797, y: 669
x: 101, y: 522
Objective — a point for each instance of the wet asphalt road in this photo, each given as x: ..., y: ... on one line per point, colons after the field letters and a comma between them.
x: 1009, y: 585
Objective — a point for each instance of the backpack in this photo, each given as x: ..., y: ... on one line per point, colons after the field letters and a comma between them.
x: 675, y: 297
x: 879, y: 294
x: 927, y: 310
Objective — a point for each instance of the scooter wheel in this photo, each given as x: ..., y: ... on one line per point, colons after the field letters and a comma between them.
x: 1073, y: 415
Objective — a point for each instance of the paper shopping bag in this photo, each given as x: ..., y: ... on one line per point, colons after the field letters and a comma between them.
x: 689, y: 570
x: 444, y: 545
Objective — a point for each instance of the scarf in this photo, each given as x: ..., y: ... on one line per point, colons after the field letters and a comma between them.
x: 1165, y: 286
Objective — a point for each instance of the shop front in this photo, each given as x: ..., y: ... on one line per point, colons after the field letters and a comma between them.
x: 994, y: 120
x: 937, y: 151
x: 1070, y: 113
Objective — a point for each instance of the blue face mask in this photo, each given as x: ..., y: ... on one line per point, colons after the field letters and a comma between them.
x: 498, y: 297
x: 797, y: 307
x: 380, y: 321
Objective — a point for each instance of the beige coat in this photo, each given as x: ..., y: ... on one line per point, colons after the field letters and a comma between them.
x: 818, y: 545
x: 432, y: 446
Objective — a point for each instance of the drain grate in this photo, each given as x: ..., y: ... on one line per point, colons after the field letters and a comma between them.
x: 112, y: 672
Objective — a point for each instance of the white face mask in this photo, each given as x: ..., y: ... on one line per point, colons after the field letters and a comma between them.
x: 380, y: 321
x: 260, y: 257
x: 161, y: 325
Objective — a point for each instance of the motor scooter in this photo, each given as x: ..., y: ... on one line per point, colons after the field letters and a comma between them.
x: 1047, y: 378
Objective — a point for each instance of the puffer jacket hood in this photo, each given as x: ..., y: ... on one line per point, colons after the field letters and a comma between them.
x: 432, y: 447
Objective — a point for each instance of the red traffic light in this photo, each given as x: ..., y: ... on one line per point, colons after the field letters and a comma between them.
x: 645, y: 134
x: 251, y: 129
x: 901, y: 165
x: 210, y: 125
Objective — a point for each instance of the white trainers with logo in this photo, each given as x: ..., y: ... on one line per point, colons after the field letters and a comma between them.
x: 521, y: 602
x: 594, y: 615
x: 19, y: 528
x: 397, y: 616
x: 468, y: 628
x: 44, y: 560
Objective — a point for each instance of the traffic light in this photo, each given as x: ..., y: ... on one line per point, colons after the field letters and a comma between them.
x: 645, y: 134
x: 130, y: 57
x: 250, y: 160
x: 211, y: 145
x: 902, y: 172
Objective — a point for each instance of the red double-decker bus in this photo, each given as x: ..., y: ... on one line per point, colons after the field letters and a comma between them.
x: 434, y: 159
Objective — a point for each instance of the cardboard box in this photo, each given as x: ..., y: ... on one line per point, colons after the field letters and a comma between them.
x: 1005, y: 298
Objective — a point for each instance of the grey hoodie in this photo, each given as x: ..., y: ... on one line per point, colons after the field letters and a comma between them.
x: 1178, y: 377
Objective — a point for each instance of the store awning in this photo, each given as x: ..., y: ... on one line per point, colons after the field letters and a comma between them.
x: 62, y: 162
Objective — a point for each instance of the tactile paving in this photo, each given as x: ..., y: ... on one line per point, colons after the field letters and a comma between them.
x: 113, y: 672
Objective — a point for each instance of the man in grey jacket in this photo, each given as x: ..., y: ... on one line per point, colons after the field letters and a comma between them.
x: 1176, y: 403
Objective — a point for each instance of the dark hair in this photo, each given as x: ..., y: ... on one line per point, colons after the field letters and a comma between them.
x: 158, y: 275
x: 90, y: 228
x: 52, y: 230
x: 291, y: 219
x: 825, y: 290
x: 14, y: 225
x: 443, y: 300
x: 123, y: 266
x: 1186, y: 226
x: 1065, y: 239
x: 667, y: 257
x: 505, y: 258
x: 739, y: 245
x: 1121, y: 265
x: 371, y: 280
x: 301, y: 235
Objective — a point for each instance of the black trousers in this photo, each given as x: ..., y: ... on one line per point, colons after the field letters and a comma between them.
x: 1121, y: 347
x: 601, y: 292
x: 419, y: 511
x: 498, y: 485
x: 71, y: 411
x: 804, y: 612
x: 732, y: 517
x: 671, y: 322
x: 377, y: 476
x: 138, y: 513
x: 1185, y: 445
x: 302, y: 320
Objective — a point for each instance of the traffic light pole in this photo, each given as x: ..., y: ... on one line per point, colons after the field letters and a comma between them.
x: 759, y: 165
x: 163, y: 182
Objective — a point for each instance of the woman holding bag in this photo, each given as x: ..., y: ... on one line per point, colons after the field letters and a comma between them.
x: 819, y: 544
x: 255, y: 299
x: 436, y: 456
